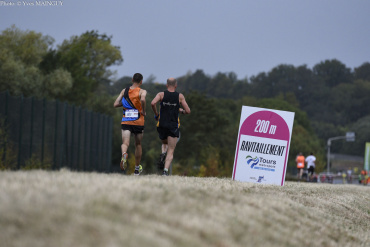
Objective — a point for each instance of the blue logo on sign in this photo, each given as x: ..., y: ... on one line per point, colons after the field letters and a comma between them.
x: 260, y: 179
x: 252, y: 161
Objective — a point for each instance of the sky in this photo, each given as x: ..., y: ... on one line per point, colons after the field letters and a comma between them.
x: 170, y: 38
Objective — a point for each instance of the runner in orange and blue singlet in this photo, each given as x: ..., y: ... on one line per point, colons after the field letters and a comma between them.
x: 132, y: 99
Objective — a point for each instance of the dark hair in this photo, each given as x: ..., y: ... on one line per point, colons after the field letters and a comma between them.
x: 137, y: 78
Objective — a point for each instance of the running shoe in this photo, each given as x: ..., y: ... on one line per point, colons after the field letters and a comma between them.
x: 165, y: 173
x: 123, y: 163
x: 138, y: 171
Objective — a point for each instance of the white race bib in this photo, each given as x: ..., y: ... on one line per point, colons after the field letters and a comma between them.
x: 132, y: 113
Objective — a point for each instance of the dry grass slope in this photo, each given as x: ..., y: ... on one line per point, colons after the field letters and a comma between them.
x: 40, y: 208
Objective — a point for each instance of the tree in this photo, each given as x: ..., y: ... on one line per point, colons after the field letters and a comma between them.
x: 261, y: 87
x: 120, y: 84
x: 333, y: 72
x: 58, y: 83
x: 360, y: 101
x: 20, y: 54
x: 220, y: 86
x: 22, y: 57
x: 362, y: 129
x: 196, y: 82
x: 29, y: 47
x: 87, y: 57
x: 363, y: 72
x: 240, y: 89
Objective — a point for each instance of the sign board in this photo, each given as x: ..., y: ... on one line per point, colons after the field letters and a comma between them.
x: 262, y: 146
x: 367, y: 157
x: 350, y: 136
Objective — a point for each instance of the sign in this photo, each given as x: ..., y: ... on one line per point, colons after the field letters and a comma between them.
x: 367, y: 157
x: 262, y: 147
x: 350, y: 136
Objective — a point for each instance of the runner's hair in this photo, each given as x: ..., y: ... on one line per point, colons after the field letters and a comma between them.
x: 137, y: 77
x: 171, y: 82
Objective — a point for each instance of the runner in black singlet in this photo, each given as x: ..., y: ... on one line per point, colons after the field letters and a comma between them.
x: 168, y: 119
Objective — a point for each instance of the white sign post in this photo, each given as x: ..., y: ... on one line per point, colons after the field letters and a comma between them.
x: 262, y: 147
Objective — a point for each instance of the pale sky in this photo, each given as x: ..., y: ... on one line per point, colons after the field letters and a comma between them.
x: 168, y: 38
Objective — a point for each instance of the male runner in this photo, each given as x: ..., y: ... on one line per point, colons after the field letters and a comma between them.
x: 168, y: 119
x: 300, y: 165
x: 132, y: 99
x: 310, y: 160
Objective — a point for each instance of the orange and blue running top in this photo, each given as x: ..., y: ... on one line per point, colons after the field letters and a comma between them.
x: 132, y: 107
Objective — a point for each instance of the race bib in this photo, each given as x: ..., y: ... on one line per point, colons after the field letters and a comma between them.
x: 132, y: 113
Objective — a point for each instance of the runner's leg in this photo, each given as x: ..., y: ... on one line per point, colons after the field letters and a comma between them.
x: 125, y: 140
x: 125, y: 143
x: 138, y: 148
x: 164, y: 151
x: 171, y: 149
x: 164, y: 146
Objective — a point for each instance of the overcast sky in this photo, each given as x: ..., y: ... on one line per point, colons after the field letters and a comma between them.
x: 168, y: 38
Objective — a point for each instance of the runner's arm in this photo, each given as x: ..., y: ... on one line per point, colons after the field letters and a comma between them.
x: 182, y: 100
x: 118, y: 102
x: 143, y: 102
x: 156, y: 99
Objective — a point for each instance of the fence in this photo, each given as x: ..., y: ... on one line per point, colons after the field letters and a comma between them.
x: 56, y: 133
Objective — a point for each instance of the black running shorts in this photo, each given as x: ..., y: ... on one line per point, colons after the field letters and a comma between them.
x: 311, y: 170
x: 164, y: 133
x: 134, y: 129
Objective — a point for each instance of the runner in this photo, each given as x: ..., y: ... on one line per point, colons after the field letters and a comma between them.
x: 132, y: 99
x: 311, y: 165
x: 168, y: 119
x: 300, y: 165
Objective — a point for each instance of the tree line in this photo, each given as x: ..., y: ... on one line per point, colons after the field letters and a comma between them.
x: 328, y: 99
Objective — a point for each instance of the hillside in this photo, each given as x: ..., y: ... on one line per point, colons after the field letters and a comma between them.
x: 40, y: 208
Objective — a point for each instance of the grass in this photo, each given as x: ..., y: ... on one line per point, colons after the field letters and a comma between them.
x: 64, y: 208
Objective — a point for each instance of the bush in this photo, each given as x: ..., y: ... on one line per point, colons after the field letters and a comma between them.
x: 8, y: 158
x: 35, y: 163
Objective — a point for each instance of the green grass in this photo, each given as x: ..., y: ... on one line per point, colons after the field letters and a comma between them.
x: 41, y: 208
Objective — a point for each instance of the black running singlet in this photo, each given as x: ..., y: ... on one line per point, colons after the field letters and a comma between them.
x: 169, y: 112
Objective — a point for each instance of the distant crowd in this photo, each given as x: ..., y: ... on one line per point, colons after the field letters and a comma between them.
x: 310, y: 176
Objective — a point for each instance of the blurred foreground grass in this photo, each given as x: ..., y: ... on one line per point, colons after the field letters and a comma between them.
x: 40, y: 208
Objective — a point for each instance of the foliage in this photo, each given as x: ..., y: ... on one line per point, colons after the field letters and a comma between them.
x: 87, y: 57
x: 363, y: 72
x: 333, y: 72
x: 58, y: 83
x: 8, y: 159
x: 29, y: 65
x: 35, y: 163
x: 21, y: 53
x: 362, y: 130
x: 26, y: 46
